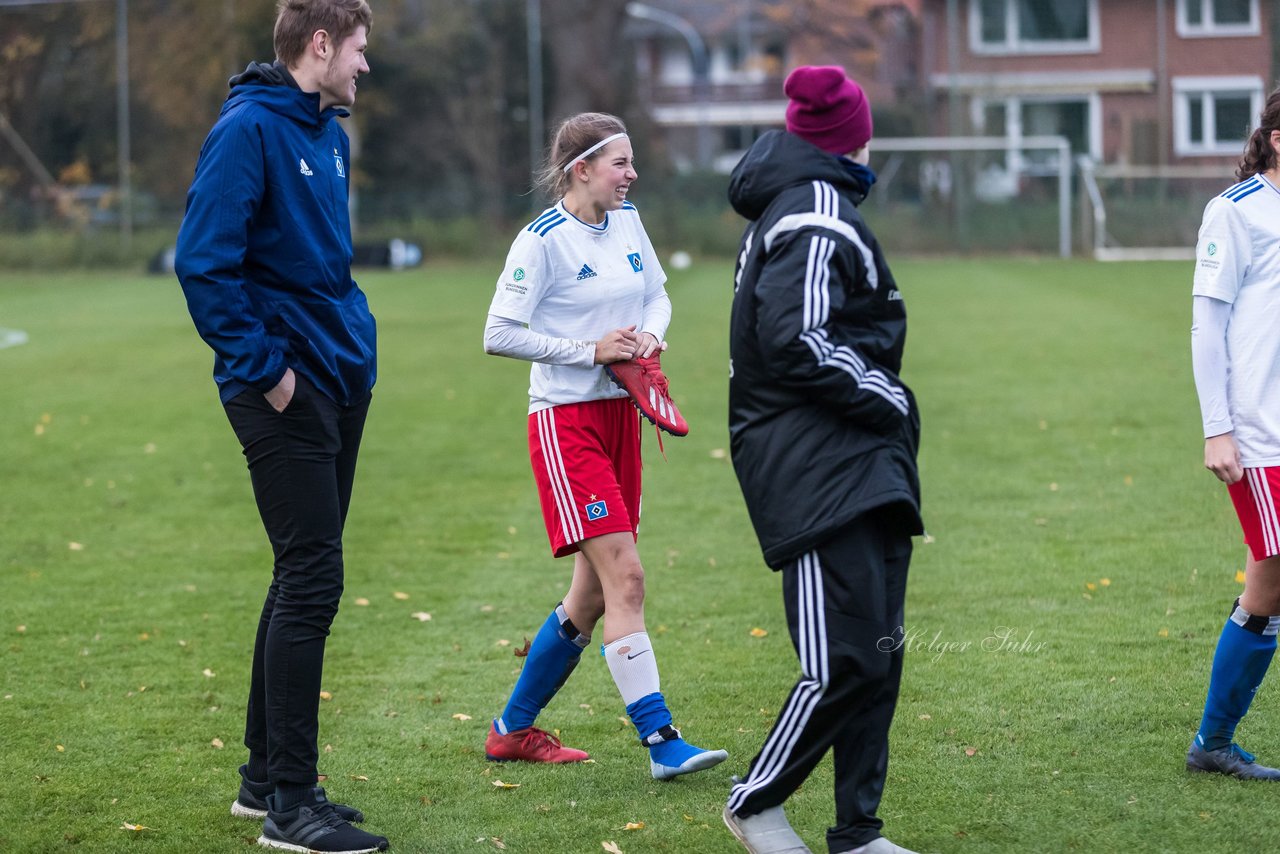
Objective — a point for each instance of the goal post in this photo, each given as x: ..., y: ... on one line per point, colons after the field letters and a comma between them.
x: 1146, y: 213
x: 975, y: 193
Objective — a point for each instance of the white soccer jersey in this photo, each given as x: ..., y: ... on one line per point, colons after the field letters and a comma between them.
x: 1238, y: 262
x: 568, y: 279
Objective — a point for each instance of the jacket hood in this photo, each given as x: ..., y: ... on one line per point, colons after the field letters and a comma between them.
x: 271, y: 84
x: 778, y: 161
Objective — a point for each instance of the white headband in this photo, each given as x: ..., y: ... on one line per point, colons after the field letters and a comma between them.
x: 593, y: 149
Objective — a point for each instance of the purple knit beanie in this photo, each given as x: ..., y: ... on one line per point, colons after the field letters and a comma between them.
x: 827, y: 109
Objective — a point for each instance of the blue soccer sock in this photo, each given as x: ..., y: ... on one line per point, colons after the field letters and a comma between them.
x: 554, y: 653
x: 1244, y: 653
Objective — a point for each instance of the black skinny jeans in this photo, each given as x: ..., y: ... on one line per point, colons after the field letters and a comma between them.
x: 302, y: 463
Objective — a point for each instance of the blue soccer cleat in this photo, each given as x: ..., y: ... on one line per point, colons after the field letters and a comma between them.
x: 670, y: 755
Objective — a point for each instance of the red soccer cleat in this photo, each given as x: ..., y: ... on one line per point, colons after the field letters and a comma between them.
x: 528, y: 745
x: 644, y: 381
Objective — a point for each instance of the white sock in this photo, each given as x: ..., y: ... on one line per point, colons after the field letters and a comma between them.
x: 632, y: 664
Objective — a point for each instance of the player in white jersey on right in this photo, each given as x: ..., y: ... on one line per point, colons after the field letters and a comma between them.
x: 1236, y: 360
x: 582, y: 289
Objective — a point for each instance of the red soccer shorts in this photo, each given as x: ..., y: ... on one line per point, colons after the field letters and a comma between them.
x: 1255, y: 497
x: 586, y: 461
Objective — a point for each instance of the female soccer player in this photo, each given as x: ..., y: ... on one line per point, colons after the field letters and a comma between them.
x: 1236, y: 359
x: 582, y: 288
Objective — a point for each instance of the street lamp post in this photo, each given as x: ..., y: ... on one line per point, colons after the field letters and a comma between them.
x: 701, y: 70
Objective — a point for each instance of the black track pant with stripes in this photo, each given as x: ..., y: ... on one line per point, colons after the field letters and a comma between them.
x: 844, y: 609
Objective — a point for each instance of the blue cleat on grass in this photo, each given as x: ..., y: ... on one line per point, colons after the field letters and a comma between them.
x: 670, y: 755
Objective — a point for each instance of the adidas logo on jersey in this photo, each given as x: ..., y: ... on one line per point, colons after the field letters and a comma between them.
x: 303, y: 167
x: 586, y: 272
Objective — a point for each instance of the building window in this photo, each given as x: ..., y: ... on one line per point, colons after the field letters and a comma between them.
x: 1033, y: 26
x: 1017, y: 118
x: 1198, y: 18
x: 1214, y: 116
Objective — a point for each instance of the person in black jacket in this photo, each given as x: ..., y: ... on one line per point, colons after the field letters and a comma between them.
x: 824, y: 435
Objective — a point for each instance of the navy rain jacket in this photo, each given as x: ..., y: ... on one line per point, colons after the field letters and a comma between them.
x: 264, y: 252
x: 821, y: 427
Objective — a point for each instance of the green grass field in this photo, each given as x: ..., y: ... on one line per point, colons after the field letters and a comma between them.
x: 1070, y: 522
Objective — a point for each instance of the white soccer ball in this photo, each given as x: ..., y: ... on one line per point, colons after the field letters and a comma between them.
x: 681, y: 260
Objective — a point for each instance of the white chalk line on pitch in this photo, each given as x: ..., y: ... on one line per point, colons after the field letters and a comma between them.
x: 12, y: 337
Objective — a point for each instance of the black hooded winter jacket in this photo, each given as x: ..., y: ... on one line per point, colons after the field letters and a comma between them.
x: 822, y: 429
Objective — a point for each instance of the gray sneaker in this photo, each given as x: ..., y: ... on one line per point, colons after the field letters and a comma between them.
x: 879, y: 845
x: 765, y: 833
x: 1231, y: 761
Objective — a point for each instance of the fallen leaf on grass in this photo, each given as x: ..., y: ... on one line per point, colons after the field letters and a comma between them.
x: 421, y: 616
x: 217, y: 744
x: 360, y: 778
x: 361, y: 601
x: 76, y: 547
x: 136, y: 828
x: 461, y: 717
x: 926, y: 717
x: 498, y: 784
x: 1089, y: 585
x: 758, y: 632
x: 503, y: 642
x: 61, y: 749
x: 1239, y: 576
x: 325, y: 695
x: 634, y: 825
x: 22, y: 629
x: 1164, y: 633
x: 611, y: 847
x: 498, y: 843
x: 400, y: 596
x: 485, y: 609
x: 208, y: 673
x: 1105, y: 582
x: 522, y: 651
x: 970, y: 751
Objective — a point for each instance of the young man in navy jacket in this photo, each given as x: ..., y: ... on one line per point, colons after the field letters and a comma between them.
x: 824, y: 434
x: 264, y: 258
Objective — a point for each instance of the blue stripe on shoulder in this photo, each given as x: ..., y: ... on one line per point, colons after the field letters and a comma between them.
x: 627, y: 206
x: 544, y: 227
x: 542, y: 219
x: 1249, y: 184
x: 1249, y: 192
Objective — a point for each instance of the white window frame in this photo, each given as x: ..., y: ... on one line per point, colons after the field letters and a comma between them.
x: 1013, y: 106
x: 1014, y: 44
x: 1208, y: 29
x: 1208, y: 87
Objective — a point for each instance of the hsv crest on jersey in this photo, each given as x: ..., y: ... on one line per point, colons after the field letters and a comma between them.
x: 586, y: 272
x: 596, y: 510
x: 636, y: 264
x: 337, y: 161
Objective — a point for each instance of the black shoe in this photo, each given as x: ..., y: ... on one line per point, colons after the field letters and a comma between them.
x: 314, y: 825
x: 1230, y: 760
x: 251, y: 803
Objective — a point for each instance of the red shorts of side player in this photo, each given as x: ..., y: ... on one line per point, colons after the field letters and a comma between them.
x: 586, y: 461
x: 1256, y: 497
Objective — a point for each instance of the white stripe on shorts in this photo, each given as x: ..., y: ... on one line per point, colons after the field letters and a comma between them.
x: 570, y: 524
x: 1263, y: 501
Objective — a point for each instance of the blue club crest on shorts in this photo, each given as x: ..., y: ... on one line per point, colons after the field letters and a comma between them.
x: 596, y: 510
x: 636, y: 264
